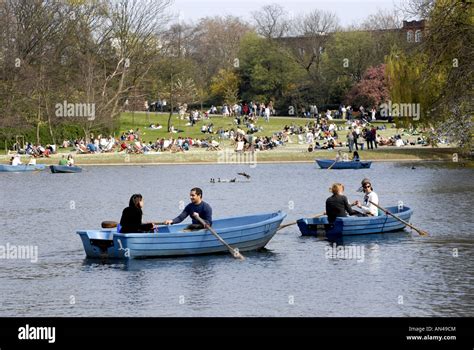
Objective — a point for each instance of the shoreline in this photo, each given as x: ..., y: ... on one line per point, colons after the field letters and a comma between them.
x: 294, y: 154
x: 405, y: 160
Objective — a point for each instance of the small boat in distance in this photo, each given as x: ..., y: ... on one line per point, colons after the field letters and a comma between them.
x: 246, y: 233
x: 55, y: 169
x: 325, y: 164
x: 21, y: 168
x: 356, y: 225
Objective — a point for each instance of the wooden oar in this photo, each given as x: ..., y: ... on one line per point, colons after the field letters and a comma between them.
x: 294, y: 222
x: 235, y: 252
x: 329, y: 168
x: 421, y: 232
x: 113, y: 224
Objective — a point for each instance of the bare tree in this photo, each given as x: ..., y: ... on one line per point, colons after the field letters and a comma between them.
x: 271, y: 21
x: 86, y: 53
x: 312, y: 33
x: 383, y: 20
x: 215, y: 45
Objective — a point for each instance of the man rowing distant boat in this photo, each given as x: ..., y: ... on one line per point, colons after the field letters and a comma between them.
x: 366, y: 207
x: 337, y: 205
x: 198, y: 206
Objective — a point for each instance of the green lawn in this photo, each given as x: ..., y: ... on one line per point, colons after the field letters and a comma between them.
x: 142, y: 120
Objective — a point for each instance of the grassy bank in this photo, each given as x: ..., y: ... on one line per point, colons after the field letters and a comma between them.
x: 143, y: 120
x: 290, y: 153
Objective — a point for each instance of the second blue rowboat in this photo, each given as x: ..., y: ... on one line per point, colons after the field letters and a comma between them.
x: 356, y: 225
x: 64, y: 169
x: 21, y: 168
x: 244, y: 232
x: 325, y: 164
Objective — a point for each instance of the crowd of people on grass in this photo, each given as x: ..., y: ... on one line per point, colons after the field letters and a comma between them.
x: 320, y: 133
x: 358, y: 134
x: 251, y: 109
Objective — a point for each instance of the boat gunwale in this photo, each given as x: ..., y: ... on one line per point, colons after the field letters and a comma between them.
x: 349, y: 219
x: 202, y: 232
x: 326, y: 163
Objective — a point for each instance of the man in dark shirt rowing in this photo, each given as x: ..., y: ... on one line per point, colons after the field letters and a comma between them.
x: 337, y: 205
x: 198, y: 206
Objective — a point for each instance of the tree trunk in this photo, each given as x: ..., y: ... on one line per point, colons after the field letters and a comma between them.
x: 38, y: 131
x: 38, y: 122
x: 53, y: 138
x: 169, y: 117
x: 171, y: 103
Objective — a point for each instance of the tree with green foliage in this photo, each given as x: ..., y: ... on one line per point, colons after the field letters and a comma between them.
x: 225, y: 85
x: 438, y: 72
x: 347, y: 56
x: 268, y: 73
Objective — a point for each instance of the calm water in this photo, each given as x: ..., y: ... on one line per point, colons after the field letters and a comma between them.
x: 401, y: 274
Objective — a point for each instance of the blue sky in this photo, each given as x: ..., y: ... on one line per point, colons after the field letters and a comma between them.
x: 348, y: 11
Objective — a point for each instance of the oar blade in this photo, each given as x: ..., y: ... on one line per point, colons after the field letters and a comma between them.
x: 237, y: 254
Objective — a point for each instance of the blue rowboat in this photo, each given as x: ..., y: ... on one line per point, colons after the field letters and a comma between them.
x: 245, y: 233
x: 325, y: 164
x: 64, y: 169
x: 21, y: 168
x: 356, y: 225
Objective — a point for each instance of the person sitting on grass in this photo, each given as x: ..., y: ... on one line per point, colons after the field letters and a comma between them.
x: 131, y: 220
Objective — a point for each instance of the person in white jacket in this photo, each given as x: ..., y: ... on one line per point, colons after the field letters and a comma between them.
x: 366, y: 207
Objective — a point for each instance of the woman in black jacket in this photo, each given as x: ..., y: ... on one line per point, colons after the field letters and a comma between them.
x: 337, y: 205
x: 131, y: 221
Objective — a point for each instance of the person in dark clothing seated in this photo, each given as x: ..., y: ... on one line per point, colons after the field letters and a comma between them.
x: 198, y: 206
x: 131, y: 221
x: 337, y: 205
x: 356, y: 157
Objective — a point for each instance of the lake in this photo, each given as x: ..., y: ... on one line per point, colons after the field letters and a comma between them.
x: 400, y: 274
